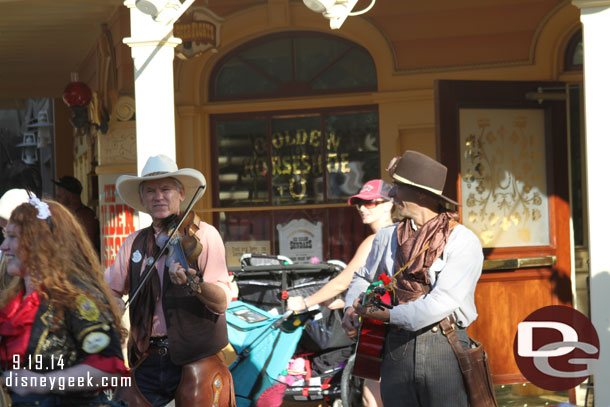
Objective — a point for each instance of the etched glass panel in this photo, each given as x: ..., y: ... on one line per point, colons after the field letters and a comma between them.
x: 504, y: 182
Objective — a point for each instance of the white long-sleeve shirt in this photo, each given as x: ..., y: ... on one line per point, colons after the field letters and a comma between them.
x: 453, y: 276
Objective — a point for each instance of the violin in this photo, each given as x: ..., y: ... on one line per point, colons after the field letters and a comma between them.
x: 184, y: 247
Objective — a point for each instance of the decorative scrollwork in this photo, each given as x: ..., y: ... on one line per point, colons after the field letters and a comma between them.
x: 125, y: 108
x: 504, y: 181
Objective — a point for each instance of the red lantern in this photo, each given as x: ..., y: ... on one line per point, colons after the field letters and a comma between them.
x: 77, y: 94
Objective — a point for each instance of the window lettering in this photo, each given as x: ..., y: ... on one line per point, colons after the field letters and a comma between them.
x: 285, y: 160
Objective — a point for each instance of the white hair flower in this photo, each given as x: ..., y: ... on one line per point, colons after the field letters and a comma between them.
x: 43, y: 208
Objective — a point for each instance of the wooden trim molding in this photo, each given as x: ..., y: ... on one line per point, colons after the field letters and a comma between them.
x: 590, y: 3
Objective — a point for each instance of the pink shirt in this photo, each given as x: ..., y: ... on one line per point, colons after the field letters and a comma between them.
x: 211, y: 262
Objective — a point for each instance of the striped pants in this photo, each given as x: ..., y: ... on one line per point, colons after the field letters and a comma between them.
x: 419, y: 369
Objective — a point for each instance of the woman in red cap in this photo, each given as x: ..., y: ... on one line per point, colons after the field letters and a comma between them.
x: 375, y: 207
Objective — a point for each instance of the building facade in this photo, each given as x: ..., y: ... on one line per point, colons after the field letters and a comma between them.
x: 287, y: 118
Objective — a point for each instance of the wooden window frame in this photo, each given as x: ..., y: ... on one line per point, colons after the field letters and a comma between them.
x: 568, y: 65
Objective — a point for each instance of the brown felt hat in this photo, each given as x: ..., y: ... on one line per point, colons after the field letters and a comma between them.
x: 420, y: 171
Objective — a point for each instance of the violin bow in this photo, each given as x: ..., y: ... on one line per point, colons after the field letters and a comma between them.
x: 147, y: 272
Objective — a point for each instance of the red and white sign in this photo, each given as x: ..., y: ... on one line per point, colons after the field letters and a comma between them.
x: 117, y: 222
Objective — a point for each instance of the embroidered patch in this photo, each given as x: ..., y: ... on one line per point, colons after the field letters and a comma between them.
x: 87, y: 308
x: 95, y: 342
x: 136, y: 257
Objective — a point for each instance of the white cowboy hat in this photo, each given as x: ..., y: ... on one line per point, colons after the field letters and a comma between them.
x: 12, y: 199
x: 157, y: 167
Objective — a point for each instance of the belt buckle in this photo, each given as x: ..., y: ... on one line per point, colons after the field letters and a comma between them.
x: 161, y: 346
x: 161, y: 350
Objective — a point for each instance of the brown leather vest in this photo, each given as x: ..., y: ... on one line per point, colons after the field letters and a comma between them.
x: 194, y: 332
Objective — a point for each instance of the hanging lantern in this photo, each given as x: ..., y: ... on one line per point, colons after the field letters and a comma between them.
x: 29, y: 154
x: 77, y: 94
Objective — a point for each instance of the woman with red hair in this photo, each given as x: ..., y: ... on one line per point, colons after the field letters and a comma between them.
x: 60, y: 330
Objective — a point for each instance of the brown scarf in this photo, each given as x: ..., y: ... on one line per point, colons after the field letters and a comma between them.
x: 413, y: 282
x: 142, y: 309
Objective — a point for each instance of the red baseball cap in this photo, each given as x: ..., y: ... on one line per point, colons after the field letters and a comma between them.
x: 374, y: 189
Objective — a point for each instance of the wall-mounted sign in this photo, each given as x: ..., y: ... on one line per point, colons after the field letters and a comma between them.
x: 300, y: 240
x: 117, y: 220
x: 199, y: 29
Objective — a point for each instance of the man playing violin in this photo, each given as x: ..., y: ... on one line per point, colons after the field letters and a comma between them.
x: 177, y: 319
x: 434, y: 264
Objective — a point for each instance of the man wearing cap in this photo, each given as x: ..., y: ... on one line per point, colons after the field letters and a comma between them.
x: 177, y: 329
x: 67, y: 193
x: 434, y: 264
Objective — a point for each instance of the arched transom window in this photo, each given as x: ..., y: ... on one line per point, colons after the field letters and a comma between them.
x: 293, y: 64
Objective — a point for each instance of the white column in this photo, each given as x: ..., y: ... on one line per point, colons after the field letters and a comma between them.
x: 152, y: 48
x: 595, y: 17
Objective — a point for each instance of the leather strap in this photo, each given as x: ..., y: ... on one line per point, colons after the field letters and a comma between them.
x: 478, y: 381
x: 448, y: 329
x: 447, y: 326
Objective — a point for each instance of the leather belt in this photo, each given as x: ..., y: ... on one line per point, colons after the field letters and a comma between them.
x: 159, y: 340
x: 434, y: 328
x: 159, y: 345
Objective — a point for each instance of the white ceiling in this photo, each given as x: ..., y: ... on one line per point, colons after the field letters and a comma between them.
x: 42, y: 41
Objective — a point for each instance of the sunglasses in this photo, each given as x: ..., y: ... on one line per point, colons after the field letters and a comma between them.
x: 367, y: 204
